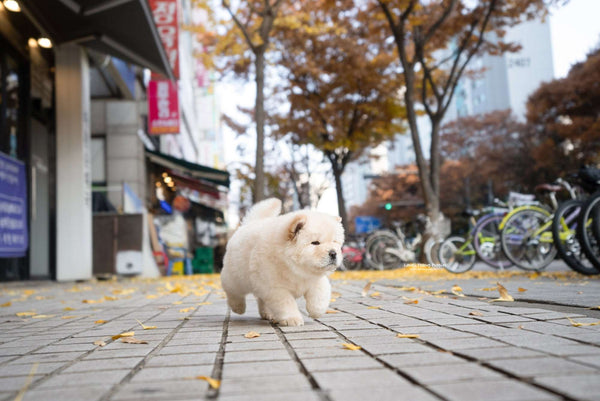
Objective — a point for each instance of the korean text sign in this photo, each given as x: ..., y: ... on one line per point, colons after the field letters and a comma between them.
x: 14, y: 236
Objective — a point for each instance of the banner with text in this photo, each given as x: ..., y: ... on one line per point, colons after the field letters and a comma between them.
x: 163, y: 107
x: 14, y: 237
x: 167, y: 23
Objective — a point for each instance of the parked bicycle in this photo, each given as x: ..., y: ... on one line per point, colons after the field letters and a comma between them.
x: 387, y: 249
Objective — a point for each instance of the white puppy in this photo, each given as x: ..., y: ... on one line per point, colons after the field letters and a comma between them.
x: 279, y: 258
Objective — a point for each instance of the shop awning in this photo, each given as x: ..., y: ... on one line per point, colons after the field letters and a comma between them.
x: 120, y: 28
x: 193, y: 170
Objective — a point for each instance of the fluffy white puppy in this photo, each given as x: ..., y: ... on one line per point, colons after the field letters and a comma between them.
x: 279, y: 258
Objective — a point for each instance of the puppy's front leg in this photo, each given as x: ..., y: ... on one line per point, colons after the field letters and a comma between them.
x: 318, y: 297
x: 284, y: 308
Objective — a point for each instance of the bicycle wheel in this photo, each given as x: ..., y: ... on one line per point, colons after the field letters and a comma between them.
x: 486, y: 240
x: 564, y: 233
x: 377, y: 255
x: 588, y: 218
x: 431, y: 249
x: 527, y: 239
x: 457, y: 255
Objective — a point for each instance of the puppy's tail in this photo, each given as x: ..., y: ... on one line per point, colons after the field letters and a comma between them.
x: 268, y: 208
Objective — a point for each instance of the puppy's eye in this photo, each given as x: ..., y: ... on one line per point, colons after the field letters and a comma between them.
x: 316, y: 243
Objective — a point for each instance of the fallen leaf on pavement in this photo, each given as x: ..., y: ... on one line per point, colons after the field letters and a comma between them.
x: 109, y: 298
x: 332, y: 300
x: 504, y: 295
x: 144, y: 326
x: 351, y: 347
x: 579, y: 324
x: 331, y: 311
x: 456, y: 290
x: 131, y: 340
x: 100, y: 321
x: 336, y: 294
x: 595, y: 307
x: 151, y: 296
x: 521, y: 289
x: 4, y: 305
x: 375, y: 294
x: 214, y: 383
x: 408, y: 300
x: 475, y: 313
x: 251, y: 334
x: 68, y: 317
x: 407, y: 335
x: 185, y: 310
x: 177, y: 302
x: 205, y: 303
x: 373, y: 307
x: 126, y: 334
x: 68, y: 308
x: 93, y: 301
x: 407, y: 288
x: 487, y: 289
x: 366, y: 289
x: 42, y: 316
x: 28, y: 313
x: 99, y: 343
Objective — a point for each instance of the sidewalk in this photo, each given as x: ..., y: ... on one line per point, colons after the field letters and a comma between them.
x: 452, y: 347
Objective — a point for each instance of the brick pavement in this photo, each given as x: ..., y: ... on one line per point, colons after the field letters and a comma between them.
x: 467, y: 348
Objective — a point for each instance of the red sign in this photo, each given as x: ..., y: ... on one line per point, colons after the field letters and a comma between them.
x: 163, y: 107
x: 166, y: 20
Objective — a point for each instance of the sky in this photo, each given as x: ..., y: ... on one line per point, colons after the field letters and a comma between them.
x: 575, y: 30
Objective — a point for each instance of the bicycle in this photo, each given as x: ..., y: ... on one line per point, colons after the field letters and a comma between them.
x: 526, y: 234
x: 588, y: 230
x: 354, y: 253
x: 458, y: 254
x: 386, y: 249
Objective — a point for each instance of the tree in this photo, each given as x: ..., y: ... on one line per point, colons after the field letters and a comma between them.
x: 435, y: 41
x: 245, y: 42
x: 341, y: 89
x: 564, y: 119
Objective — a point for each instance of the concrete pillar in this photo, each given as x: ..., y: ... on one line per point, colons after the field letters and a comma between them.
x: 73, y: 165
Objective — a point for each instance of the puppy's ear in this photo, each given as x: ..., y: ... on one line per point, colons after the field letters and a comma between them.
x: 296, y: 226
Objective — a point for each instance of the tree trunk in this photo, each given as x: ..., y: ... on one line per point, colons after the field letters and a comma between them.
x: 337, y: 174
x: 259, y: 116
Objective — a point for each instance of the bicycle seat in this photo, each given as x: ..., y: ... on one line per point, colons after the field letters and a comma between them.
x: 471, y: 213
x: 548, y: 188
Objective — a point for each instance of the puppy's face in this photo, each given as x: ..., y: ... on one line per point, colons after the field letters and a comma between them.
x: 315, y: 242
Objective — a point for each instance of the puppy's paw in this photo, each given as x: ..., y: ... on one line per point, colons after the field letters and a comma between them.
x: 315, y: 314
x: 266, y: 316
x: 291, y: 321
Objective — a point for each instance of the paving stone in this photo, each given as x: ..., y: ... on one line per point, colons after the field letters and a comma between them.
x: 530, y: 367
x: 358, y: 378
x: 13, y: 369
x: 297, y: 395
x: 435, y: 374
x: 466, y: 343
x: 182, y: 359
x: 341, y: 363
x: 581, y: 387
x: 593, y: 360
x: 88, y: 393
x: 492, y: 390
x: 390, y: 393
x: 259, y: 385
x: 166, y: 373
x: 254, y: 356
x: 421, y: 359
x: 187, y: 349
x: 102, y: 364
x: 254, y: 345
x: 263, y: 369
x: 16, y: 383
x: 486, y: 354
x: 84, y: 379
x: 169, y: 390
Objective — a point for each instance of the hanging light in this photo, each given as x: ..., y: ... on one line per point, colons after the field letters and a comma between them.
x: 12, y: 5
x: 32, y: 43
x: 45, y: 43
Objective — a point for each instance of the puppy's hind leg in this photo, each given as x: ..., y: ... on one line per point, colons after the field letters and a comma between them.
x: 263, y: 310
x: 237, y: 303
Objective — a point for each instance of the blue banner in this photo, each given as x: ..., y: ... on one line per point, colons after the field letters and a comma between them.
x: 14, y: 238
x: 366, y: 224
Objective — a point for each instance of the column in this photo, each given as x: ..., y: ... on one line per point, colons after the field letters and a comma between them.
x: 73, y: 165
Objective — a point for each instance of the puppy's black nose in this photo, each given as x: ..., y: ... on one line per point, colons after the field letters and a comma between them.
x: 332, y: 254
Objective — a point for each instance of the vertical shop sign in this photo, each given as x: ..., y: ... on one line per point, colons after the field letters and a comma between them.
x: 163, y: 108
x: 14, y: 238
x: 166, y: 20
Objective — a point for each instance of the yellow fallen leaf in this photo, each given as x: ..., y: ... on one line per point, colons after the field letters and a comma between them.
x: 29, y: 292
x: 351, y: 347
x: 251, y: 334
x: 336, y: 294
x: 366, y: 289
x: 487, y: 289
x: 407, y: 288
x: 595, y: 307
x: 214, y: 383
x: 109, y: 298
x: 68, y: 317
x: 131, y: 340
x: 456, y: 290
x: 437, y: 292
x: 151, y: 296
x: 126, y: 334
x: 204, y: 303
x: 407, y: 335
x: 331, y: 311
x: 93, y: 301
x: 28, y: 313
x: 521, y: 289
x: 504, y: 295
x: 177, y: 302
x: 144, y: 326
x: 42, y: 316
x: 332, y: 300
x: 409, y: 301
x: 185, y: 310
x: 475, y: 313
x: 375, y: 294
x: 579, y: 324
x: 100, y: 321
x: 100, y: 343
x: 373, y: 307
x: 68, y: 308
x: 4, y: 305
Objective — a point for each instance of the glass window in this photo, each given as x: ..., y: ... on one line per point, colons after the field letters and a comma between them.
x: 98, y: 149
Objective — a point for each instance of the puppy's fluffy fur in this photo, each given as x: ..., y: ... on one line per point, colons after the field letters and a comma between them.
x: 279, y: 258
